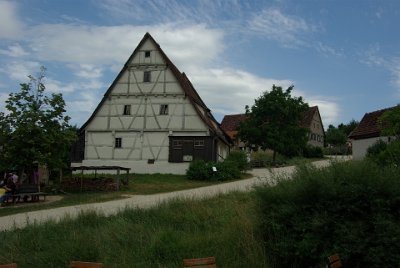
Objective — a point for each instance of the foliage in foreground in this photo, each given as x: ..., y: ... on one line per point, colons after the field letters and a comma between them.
x: 223, y: 227
x: 384, y: 154
x: 350, y: 208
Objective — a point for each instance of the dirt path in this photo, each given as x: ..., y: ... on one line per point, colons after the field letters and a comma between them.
x: 143, y: 201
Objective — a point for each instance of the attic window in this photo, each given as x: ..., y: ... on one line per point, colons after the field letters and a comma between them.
x: 163, y: 109
x: 147, y: 54
x: 118, y: 142
x: 127, y: 110
x: 146, y: 76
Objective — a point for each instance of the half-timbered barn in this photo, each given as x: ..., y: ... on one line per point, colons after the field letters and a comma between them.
x: 151, y: 119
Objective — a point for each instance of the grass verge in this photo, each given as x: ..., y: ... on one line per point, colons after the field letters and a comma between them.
x: 224, y: 227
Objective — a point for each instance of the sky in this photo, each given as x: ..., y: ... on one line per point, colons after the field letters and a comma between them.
x: 343, y: 55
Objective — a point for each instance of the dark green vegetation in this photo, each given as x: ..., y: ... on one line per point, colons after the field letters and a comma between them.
x: 390, y: 122
x: 232, y: 168
x: 224, y: 227
x: 336, y: 138
x: 34, y: 129
x: 273, y: 122
x: 385, y: 154
x: 350, y: 208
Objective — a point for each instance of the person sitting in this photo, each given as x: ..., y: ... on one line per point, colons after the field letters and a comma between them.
x: 9, y: 188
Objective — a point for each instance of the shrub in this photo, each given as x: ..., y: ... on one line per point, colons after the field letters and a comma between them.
x: 313, y: 152
x: 385, y: 154
x: 240, y: 158
x: 351, y: 208
x: 201, y: 170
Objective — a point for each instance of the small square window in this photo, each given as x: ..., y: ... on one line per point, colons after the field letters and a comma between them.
x: 118, y: 142
x: 127, y: 110
x: 163, y: 109
x: 147, y: 54
x: 146, y: 76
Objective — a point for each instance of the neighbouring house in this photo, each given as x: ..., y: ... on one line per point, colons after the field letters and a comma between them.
x: 151, y: 119
x: 311, y: 120
x: 367, y: 133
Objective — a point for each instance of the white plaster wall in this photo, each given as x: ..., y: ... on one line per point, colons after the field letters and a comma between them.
x: 360, y: 147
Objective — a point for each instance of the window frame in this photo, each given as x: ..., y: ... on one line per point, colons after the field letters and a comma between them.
x: 127, y: 109
x: 147, y: 76
x: 164, y: 109
x: 118, y: 143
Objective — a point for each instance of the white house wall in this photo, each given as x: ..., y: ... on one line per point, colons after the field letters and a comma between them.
x: 144, y: 132
x: 361, y: 146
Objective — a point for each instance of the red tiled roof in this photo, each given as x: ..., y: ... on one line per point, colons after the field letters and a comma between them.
x: 230, y: 123
x: 308, y: 117
x: 369, y: 126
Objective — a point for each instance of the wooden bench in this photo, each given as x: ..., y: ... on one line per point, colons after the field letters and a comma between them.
x: 9, y: 265
x: 26, y: 192
x: 334, y: 261
x: 208, y: 262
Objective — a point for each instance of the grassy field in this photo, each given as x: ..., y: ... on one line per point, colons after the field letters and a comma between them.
x: 224, y: 227
x: 139, y: 184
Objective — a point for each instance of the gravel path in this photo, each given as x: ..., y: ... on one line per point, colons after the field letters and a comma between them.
x: 143, y: 201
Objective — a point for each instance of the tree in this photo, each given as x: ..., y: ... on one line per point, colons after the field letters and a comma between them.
x: 274, y: 122
x: 390, y: 122
x: 35, y: 128
x: 335, y: 136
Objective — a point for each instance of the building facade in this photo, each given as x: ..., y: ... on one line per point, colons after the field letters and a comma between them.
x: 151, y: 119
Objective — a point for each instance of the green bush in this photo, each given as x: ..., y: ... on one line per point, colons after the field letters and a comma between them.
x: 384, y: 154
x: 201, y: 170
x: 240, y: 158
x: 311, y: 151
x: 350, y: 208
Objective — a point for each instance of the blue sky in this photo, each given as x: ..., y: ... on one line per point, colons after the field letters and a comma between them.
x: 343, y: 56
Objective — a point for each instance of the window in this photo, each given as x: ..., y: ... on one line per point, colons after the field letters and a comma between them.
x: 198, y: 143
x: 164, y: 109
x: 118, y: 142
x: 127, y: 110
x: 177, y: 144
x: 146, y: 76
x: 147, y: 54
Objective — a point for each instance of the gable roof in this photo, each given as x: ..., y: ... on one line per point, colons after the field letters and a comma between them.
x: 183, y: 81
x: 308, y: 116
x: 368, y: 126
x: 230, y: 123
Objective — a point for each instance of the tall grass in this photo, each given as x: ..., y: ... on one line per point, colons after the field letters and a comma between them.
x: 350, y: 208
x: 224, y: 227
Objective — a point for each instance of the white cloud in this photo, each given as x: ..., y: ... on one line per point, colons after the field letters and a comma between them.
x: 329, y: 110
x: 228, y: 91
x: 19, y: 70
x: 11, y: 26
x: 110, y: 45
x: 275, y: 25
x: 14, y: 51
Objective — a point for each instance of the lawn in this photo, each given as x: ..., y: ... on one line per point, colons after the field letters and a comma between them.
x: 139, y: 184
